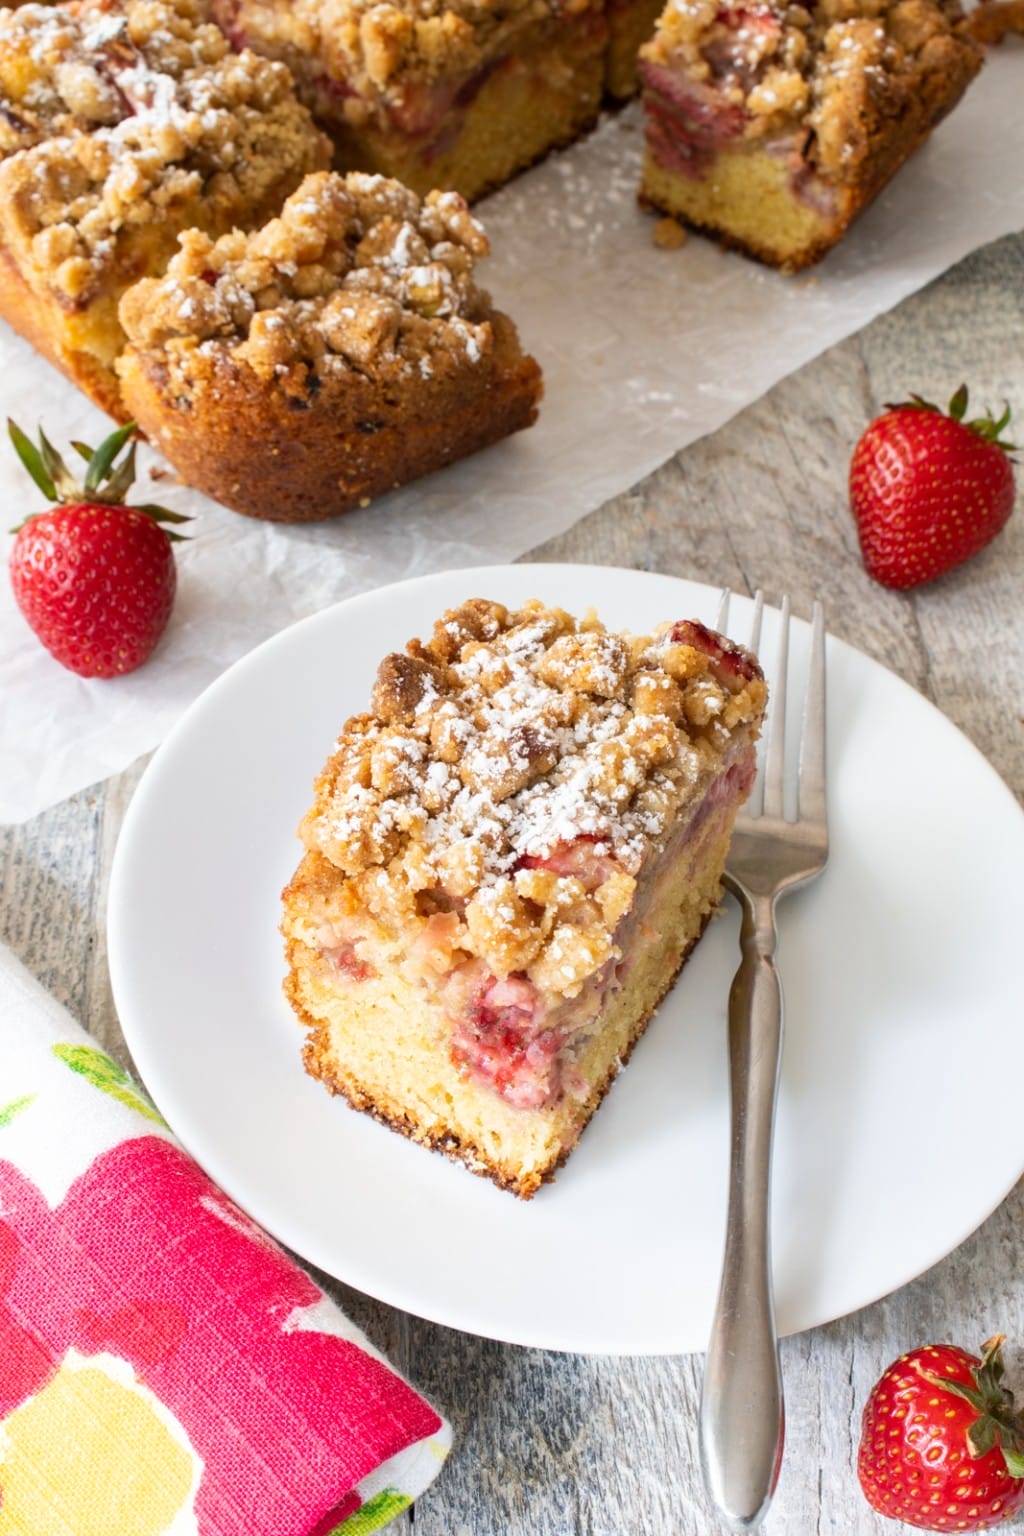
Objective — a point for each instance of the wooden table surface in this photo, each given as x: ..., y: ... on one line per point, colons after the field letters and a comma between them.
x: 551, y: 1444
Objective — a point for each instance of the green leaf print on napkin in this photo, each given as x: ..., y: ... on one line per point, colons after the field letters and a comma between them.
x: 15, y: 1107
x: 105, y: 1074
x: 374, y: 1513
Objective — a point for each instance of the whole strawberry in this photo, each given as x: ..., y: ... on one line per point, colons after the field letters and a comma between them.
x: 94, y: 578
x: 942, y: 1446
x: 929, y: 490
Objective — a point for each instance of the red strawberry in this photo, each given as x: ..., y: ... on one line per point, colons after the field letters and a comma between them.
x: 95, y: 579
x: 928, y: 491
x: 942, y: 1446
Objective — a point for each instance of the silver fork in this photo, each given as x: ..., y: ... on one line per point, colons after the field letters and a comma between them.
x: 741, y: 1411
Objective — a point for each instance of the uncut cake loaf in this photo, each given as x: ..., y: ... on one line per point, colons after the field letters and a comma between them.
x: 771, y: 126
x: 508, y: 859
x: 339, y: 351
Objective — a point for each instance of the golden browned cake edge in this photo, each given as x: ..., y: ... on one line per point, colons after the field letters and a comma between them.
x: 291, y: 459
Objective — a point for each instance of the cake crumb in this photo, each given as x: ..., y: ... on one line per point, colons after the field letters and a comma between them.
x: 669, y: 235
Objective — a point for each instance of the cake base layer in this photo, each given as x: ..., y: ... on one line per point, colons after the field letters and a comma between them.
x: 383, y: 1043
x: 291, y: 459
x: 747, y: 203
x: 82, y: 347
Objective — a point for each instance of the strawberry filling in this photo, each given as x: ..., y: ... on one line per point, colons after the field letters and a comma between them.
x: 688, y: 123
x: 500, y: 1040
x: 504, y: 1034
x: 424, y: 111
x: 730, y: 663
x: 586, y: 859
x: 740, y: 39
x: 348, y: 962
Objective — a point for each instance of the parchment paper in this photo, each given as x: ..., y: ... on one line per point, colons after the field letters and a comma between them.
x: 643, y: 351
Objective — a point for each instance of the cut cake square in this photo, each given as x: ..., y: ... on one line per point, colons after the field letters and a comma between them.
x: 508, y: 859
x: 451, y: 94
x: 336, y: 353
x: 120, y: 125
x: 771, y: 125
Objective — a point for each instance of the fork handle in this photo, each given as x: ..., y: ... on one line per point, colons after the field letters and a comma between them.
x: 741, y: 1411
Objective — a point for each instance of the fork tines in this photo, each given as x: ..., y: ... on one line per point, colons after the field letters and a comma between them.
x: 767, y: 797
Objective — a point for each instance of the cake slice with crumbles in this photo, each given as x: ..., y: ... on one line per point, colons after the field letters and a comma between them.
x: 336, y: 353
x: 453, y: 94
x: 508, y: 859
x: 771, y: 125
x: 122, y: 124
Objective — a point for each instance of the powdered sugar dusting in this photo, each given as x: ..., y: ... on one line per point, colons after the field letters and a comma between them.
x: 517, y: 734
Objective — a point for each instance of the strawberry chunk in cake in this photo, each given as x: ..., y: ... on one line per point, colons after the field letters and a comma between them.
x: 507, y: 861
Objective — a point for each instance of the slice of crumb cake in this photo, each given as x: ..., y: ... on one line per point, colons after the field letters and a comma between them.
x: 123, y: 122
x: 340, y: 351
x: 507, y: 861
x: 771, y: 125
x: 456, y: 94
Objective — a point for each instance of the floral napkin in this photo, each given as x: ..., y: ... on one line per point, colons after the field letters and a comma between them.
x: 164, y: 1366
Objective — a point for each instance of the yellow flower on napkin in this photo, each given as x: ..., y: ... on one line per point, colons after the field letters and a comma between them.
x: 92, y: 1453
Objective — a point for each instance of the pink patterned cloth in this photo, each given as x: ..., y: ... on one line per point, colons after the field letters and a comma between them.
x: 165, y: 1369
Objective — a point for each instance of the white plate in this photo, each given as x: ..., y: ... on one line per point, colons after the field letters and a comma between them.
x: 901, y: 970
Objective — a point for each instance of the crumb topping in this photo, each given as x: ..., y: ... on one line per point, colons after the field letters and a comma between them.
x: 372, y: 45
x: 357, y: 273
x: 64, y: 70
x: 514, y: 773
x: 115, y: 117
x: 817, y: 68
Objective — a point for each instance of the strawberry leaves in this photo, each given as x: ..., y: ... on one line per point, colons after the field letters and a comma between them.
x: 105, y: 483
x: 989, y: 427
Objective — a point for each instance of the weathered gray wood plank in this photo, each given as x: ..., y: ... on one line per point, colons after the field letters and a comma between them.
x: 552, y: 1445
